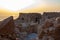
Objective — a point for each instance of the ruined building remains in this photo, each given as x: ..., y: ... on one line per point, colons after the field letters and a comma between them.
x: 28, y: 17
x: 7, y: 28
x: 51, y: 14
x: 32, y: 26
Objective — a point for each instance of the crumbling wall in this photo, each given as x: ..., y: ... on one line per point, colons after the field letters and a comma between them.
x: 48, y: 24
x: 28, y: 17
x: 51, y: 14
x: 7, y: 28
x: 50, y: 30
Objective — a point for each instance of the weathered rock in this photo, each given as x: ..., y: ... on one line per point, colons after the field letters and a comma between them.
x: 28, y: 17
x: 51, y: 14
x: 57, y: 32
x: 7, y: 28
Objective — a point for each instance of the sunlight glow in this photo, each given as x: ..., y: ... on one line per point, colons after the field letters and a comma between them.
x: 40, y: 2
x: 15, y: 5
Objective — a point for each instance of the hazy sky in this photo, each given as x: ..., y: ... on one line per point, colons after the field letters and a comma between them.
x: 12, y: 7
x: 16, y: 5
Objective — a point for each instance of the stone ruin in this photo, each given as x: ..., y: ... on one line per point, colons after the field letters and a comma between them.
x: 51, y: 14
x: 28, y: 22
x: 50, y: 30
x: 46, y: 26
x: 7, y: 30
x: 28, y: 17
x: 47, y: 31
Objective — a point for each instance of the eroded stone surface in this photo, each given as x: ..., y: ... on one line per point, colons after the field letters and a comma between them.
x: 33, y: 25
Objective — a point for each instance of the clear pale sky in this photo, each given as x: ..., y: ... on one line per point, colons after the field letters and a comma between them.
x: 13, y: 7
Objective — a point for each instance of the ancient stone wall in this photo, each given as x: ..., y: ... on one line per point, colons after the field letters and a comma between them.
x: 51, y: 14
x: 7, y: 27
x: 50, y: 30
x: 28, y: 17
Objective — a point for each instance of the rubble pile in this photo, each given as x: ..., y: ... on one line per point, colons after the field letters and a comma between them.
x: 50, y: 30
